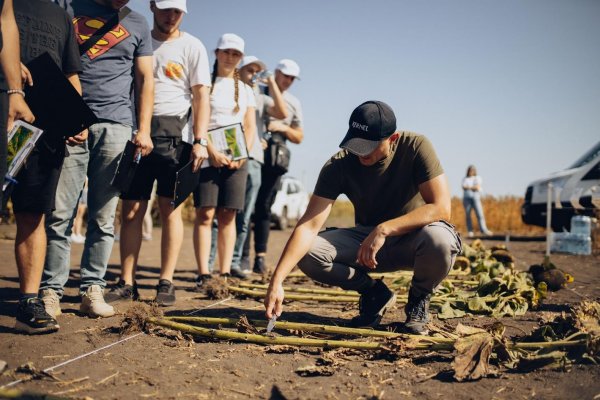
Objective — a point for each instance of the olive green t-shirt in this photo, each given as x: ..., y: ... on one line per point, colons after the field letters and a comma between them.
x: 386, y: 190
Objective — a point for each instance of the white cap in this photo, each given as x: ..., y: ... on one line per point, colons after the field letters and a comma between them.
x: 289, y: 67
x: 252, y: 60
x: 164, y: 4
x: 231, y: 41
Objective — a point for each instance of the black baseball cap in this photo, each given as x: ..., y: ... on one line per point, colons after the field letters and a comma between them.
x: 369, y: 124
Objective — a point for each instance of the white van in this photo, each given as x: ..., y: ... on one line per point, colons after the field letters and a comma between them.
x: 290, y: 202
x: 575, y: 191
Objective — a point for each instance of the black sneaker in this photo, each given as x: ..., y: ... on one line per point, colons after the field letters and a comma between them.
x: 259, y: 265
x: 32, y: 317
x: 238, y: 273
x: 122, y: 292
x: 417, y: 313
x: 373, y: 304
x: 165, y: 293
x: 201, y: 282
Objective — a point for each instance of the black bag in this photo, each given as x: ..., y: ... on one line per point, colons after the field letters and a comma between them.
x: 167, y: 136
x: 277, y: 156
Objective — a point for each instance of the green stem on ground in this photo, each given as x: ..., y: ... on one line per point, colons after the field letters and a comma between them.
x: 338, y: 330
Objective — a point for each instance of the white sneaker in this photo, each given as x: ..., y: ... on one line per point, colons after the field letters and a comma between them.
x: 93, y: 304
x: 471, y: 234
x: 51, y: 302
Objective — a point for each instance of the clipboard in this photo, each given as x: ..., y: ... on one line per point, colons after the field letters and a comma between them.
x: 57, y: 106
x: 230, y: 140
x: 128, y: 163
x: 185, y: 179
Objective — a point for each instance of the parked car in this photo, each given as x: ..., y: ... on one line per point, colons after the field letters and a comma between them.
x: 575, y: 191
x: 290, y: 202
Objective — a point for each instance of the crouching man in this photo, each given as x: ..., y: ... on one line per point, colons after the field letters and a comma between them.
x: 402, y: 202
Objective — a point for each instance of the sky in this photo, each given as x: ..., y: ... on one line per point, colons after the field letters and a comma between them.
x: 511, y: 86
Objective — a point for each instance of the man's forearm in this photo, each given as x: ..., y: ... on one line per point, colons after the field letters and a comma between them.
x: 416, y: 219
x: 201, y: 112
x: 297, y: 246
x: 10, y: 56
x: 295, y: 135
x: 145, y: 102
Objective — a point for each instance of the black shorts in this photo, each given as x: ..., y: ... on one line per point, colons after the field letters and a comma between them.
x: 168, y: 156
x: 38, y: 178
x: 222, y: 187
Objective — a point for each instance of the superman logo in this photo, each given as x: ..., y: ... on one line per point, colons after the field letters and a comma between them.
x: 85, y: 28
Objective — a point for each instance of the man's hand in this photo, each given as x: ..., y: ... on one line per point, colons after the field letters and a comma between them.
x: 274, y: 300
x: 369, y: 247
x: 78, y: 139
x: 26, y: 78
x: 18, y: 109
x: 218, y: 160
x: 277, y: 126
x: 144, y: 143
x: 199, y: 154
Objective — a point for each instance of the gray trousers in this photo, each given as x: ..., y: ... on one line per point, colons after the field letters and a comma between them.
x: 429, y: 251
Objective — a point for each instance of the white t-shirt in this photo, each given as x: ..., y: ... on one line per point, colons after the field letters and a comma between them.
x: 179, y: 64
x: 471, y: 181
x: 222, y: 102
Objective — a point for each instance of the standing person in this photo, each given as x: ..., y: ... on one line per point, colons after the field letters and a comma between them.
x: 182, y: 81
x: 266, y: 106
x: 12, y: 96
x: 287, y: 129
x: 402, y: 202
x: 120, y: 60
x: 33, y: 196
x: 471, y: 185
x: 223, y: 184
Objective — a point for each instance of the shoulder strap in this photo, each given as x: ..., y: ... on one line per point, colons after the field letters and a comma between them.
x: 111, y: 23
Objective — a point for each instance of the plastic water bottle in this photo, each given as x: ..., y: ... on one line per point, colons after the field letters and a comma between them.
x: 260, y: 76
x: 581, y: 224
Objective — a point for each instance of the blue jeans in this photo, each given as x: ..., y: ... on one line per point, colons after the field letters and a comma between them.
x: 242, y: 218
x: 98, y: 157
x: 472, y: 201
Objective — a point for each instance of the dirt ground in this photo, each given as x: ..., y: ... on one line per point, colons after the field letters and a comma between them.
x: 149, y: 366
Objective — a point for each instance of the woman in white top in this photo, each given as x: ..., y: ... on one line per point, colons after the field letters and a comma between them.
x: 222, y: 185
x: 471, y: 185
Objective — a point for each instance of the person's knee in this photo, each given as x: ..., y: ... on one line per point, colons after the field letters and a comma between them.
x: 131, y: 211
x: 436, y: 241
x: 226, y: 215
x: 315, y: 259
x: 204, y: 216
x: 29, y: 219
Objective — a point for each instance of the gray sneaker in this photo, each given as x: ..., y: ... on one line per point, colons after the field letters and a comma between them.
x: 417, y: 313
x: 51, y: 302
x: 93, y: 304
x: 165, y: 293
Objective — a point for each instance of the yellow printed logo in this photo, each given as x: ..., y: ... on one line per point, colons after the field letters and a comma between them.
x: 174, y: 70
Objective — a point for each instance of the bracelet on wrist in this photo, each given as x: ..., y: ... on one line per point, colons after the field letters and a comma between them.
x: 16, y: 91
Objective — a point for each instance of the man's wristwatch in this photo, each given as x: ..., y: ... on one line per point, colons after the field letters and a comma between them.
x: 201, y: 142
